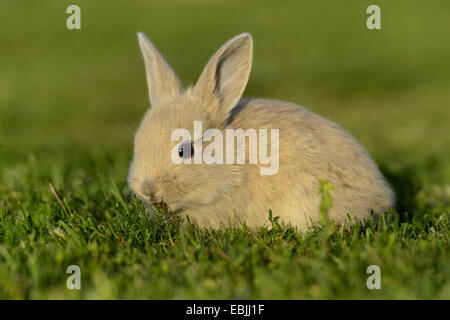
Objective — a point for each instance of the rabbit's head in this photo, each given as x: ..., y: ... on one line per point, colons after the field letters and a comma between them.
x: 154, y: 176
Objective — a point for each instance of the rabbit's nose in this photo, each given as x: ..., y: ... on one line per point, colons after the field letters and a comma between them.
x: 149, y: 190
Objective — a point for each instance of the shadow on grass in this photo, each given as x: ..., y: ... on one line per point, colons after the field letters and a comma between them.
x: 406, y: 185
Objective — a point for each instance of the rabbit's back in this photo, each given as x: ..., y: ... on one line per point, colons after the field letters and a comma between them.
x: 311, y: 148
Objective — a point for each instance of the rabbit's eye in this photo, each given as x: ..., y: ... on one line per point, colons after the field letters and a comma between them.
x: 186, y: 150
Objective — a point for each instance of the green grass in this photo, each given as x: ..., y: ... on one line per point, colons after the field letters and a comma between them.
x: 70, y: 102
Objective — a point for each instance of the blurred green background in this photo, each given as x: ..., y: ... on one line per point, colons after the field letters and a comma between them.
x: 71, y: 100
x: 389, y: 87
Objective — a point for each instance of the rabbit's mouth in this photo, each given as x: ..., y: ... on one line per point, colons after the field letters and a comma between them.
x: 162, y: 206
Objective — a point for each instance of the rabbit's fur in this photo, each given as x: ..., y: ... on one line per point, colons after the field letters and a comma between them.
x: 310, y: 148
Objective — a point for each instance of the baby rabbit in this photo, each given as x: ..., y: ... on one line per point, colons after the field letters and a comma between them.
x: 310, y: 148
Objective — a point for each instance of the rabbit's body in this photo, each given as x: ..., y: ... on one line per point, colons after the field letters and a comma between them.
x: 310, y: 149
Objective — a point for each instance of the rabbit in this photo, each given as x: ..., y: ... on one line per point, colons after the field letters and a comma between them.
x: 217, y: 195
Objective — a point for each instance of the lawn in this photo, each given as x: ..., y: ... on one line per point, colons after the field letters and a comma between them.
x: 71, y: 100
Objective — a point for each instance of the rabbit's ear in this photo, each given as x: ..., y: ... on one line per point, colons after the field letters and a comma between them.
x: 226, y: 74
x: 162, y: 81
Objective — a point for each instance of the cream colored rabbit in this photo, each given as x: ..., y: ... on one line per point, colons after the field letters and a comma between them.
x: 310, y: 148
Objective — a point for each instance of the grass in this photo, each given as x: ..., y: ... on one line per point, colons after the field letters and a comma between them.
x: 70, y: 102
